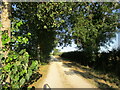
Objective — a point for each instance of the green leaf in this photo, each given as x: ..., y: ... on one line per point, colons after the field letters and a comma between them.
x: 19, y: 37
x: 30, y: 72
x: 12, y: 77
x: 23, y: 72
x: 7, y: 67
x: 0, y: 25
x: 70, y: 9
x: 2, y: 76
x: 22, y: 51
x: 51, y: 15
x: 19, y: 23
x: 10, y: 59
x: 14, y: 56
x: 15, y: 85
x: 45, y: 27
x: 12, y: 40
x: 16, y: 78
x: 1, y: 56
x: 62, y: 21
x: 0, y: 32
x: 29, y: 34
x: 15, y: 69
x: 27, y: 77
x: 22, y: 81
x: 34, y: 65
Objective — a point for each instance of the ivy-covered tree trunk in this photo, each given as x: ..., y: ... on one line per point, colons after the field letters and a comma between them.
x: 5, y: 28
x: 0, y: 34
x: 5, y: 21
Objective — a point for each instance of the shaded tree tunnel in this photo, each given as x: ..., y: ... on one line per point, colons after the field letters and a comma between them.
x: 38, y: 27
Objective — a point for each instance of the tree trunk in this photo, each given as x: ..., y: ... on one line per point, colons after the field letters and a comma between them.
x: 5, y: 21
x: 6, y: 24
x: 0, y: 33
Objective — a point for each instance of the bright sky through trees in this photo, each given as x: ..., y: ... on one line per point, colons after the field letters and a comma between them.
x: 73, y: 47
x: 68, y: 48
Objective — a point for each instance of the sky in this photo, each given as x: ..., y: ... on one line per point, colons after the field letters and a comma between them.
x: 68, y: 48
x: 73, y: 46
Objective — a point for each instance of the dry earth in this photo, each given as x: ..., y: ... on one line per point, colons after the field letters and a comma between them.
x: 61, y: 76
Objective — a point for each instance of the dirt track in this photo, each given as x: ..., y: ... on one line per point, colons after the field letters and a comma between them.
x: 61, y: 76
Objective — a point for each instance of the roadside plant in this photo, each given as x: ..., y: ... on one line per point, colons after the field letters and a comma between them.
x: 17, y: 66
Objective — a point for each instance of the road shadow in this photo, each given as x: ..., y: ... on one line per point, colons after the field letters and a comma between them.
x: 87, y: 73
x: 55, y: 59
x: 59, y: 58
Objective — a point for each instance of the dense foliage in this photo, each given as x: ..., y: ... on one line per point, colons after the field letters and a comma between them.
x: 90, y: 25
x: 17, y: 66
x: 42, y: 22
x: 33, y: 36
x: 106, y: 61
x: 95, y: 26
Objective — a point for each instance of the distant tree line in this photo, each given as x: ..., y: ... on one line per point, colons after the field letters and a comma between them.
x: 105, y: 61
